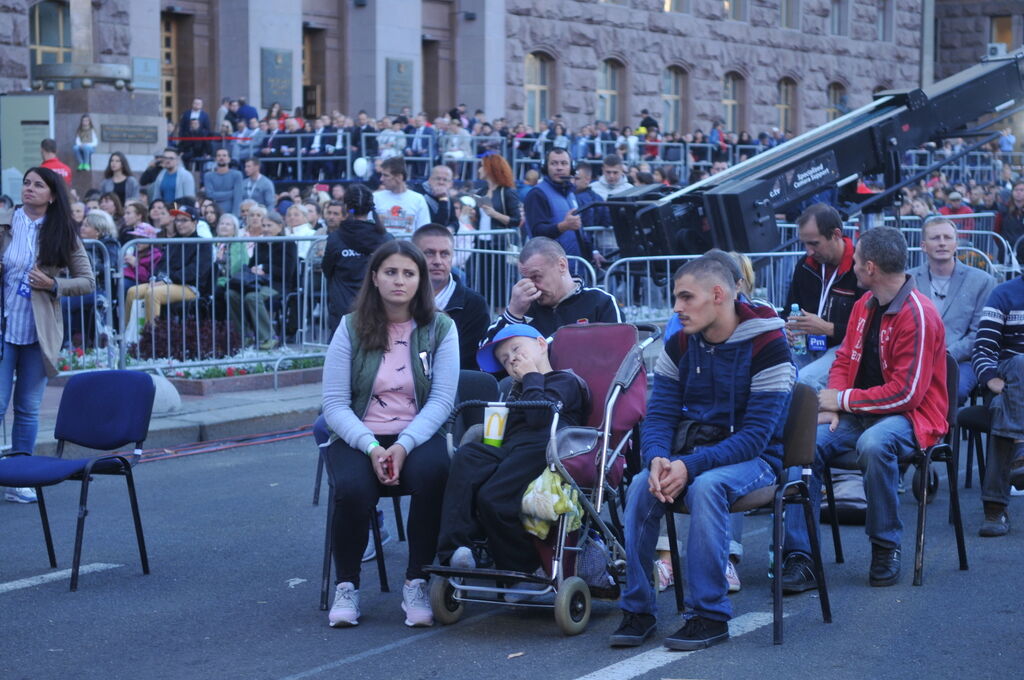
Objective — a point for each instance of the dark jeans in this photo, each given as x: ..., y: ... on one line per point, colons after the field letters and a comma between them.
x: 356, y: 492
x: 483, y: 498
x: 1007, y: 426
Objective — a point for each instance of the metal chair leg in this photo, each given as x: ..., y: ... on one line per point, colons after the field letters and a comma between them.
x: 673, y: 551
x: 830, y: 496
x: 971, y: 437
x: 382, y: 570
x: 819, y: 565
x: 922, y: 512
x: 982, y: 453
x: 776, y: 549
x: 82, y: 512
x: 136, y: 518
x: 958, y: 525
x: 46, y: 528
x: 328, y: 545
x: 319, y: 479
x: 398, y: 519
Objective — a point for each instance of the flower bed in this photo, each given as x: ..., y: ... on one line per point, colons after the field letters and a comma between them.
x: 259, y: 376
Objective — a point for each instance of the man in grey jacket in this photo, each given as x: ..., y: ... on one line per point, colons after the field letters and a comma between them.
x: 256, y: 186
x: 173, y: 182
x: 959, y: 292
x: 223, y: 184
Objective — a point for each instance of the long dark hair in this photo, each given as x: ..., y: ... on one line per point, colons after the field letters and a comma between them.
x: 125, y: 168
x: 371, y: 319
x: 58, y: 234
x: 359, y: 201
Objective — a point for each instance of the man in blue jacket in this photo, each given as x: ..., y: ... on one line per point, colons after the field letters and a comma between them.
x: 712, y: 434
x: 550, y: 209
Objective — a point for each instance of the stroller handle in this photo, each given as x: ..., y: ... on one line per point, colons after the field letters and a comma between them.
x: 477, y: 403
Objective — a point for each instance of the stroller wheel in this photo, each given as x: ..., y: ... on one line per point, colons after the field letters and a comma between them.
x: 447, y: 610
x: 572, y: 606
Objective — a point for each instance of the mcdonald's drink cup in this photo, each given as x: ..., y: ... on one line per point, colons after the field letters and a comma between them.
x: 494, y: 424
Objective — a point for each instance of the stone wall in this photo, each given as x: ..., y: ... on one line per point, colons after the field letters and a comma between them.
x: 963, y: 31
x: 578, y: 35
x: 14, y: 54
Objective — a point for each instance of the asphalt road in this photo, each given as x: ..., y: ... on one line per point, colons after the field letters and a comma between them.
x: 235, y: 548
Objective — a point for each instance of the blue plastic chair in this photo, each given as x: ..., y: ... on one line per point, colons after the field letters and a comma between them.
x: 101, y: 410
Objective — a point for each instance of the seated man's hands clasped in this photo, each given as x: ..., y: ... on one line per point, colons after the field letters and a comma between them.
x: 667, y: 479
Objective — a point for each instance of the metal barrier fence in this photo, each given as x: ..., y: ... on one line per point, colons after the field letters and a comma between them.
x: 981, y: 166
x: 89, y: 338
x: 463, y: 152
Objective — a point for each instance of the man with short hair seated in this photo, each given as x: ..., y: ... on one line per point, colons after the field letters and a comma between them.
x: 465, y: 306
x: 886, y: 393
x: 712, y: 434
x: 959, y: 292
x: 548, y: 297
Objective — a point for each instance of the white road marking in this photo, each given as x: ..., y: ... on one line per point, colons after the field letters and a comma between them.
x: 292, y: 582
x: 33, y: 581
x: 645, y: 662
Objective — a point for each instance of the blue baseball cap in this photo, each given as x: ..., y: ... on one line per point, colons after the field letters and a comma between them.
x: 485, y: 355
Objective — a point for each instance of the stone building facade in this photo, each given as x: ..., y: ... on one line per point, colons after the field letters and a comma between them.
x: 964, y: 30
x: 754, y: 63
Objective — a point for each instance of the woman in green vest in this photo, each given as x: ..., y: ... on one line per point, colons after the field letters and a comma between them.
x: 389, y: 386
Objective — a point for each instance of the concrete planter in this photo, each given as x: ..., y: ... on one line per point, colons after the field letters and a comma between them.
x: 238, y: 383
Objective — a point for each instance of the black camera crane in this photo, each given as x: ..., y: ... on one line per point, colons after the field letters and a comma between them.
x: 737, y: 206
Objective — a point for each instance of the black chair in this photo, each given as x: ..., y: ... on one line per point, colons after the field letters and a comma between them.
x: 472, y: 385
x: 799, y: 450
x: 101, y: 410
x: 975, y: 421
x: 943, y: 451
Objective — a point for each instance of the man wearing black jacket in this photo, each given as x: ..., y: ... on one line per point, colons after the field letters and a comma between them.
x: 548, y: 297
x: 436, y: 192
x: 465, y: 306
x: 825, y: 288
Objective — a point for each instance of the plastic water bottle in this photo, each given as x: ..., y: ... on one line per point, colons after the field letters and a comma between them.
x: 799, y: 338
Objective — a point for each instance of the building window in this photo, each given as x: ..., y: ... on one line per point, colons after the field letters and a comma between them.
x: 50, y: 33
x: 608, y: 84
x: 785, y: 103
x: 733, y: 9
x: 837, y: 105
x: 885, y: 20
x: 677, y: 5
x: 789, y: 13
x: 169, y: 65
x: 1001, y: 31
x: 673, y: 86
x: 732, y: 101
x: 538, y: 92
x: 837, y: 17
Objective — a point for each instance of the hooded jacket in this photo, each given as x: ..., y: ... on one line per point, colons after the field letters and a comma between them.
x: 346, y: 257
x: 805, y: 290
x: 742, y: 385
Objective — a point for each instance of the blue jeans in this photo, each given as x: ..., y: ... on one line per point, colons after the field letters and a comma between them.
x: 83, y: 152
x: 880, y: 443
x: 708, y: 498
x: 27, y: 362
x: 968, y: 381
x: 814, y: 367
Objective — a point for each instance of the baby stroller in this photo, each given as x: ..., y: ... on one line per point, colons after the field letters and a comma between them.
x: 591, y: 460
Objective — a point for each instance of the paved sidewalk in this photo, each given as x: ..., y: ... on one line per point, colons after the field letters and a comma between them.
x: 214, y: 416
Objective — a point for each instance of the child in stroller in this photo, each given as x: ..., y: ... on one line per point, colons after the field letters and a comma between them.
x: 486, y: 483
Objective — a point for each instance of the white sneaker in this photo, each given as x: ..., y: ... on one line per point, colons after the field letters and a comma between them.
x: 462, y: 558
x: 22, y: 494
x: 345, y: 610
x: 663, y: 572
x: 416, y: 604
x: 732, y: 577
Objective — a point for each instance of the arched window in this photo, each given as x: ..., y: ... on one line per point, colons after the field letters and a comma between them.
x: 734, y: 9
x: 785, y: 103
x: 50, y: 32
x: 673, y: 88
x: 732, y: 101
x: 538, y: 84
x: 608, y: 96
x: 837, y: 105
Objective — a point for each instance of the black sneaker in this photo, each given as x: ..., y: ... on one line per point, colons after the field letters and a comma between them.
x: 885, y: 566
x: 634, y: 629
x: 798, y: 574
x: 997, y: 521
x: 698, y: 633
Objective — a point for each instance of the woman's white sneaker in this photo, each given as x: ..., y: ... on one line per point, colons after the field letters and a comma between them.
x: 416, y: 604
x: 345, y: 610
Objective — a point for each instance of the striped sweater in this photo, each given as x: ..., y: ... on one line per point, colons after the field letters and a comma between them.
x: 1001, y: 331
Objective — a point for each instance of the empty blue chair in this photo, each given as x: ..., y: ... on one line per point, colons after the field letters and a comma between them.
x: 101, y: 410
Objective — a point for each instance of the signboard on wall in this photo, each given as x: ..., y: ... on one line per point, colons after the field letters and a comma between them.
x: 275, y: 77
x: 398, y: 85
x: 145, y: 73
x: 25, y: 121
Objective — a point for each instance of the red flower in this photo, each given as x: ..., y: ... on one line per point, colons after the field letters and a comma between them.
x: 242, y: 371
x: 79, y: 352
x: 231, y: 371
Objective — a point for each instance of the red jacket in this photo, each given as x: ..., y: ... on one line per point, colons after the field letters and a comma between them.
x: 912, y: 351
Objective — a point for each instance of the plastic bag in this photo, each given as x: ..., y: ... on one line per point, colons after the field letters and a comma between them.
x: 547, y: 498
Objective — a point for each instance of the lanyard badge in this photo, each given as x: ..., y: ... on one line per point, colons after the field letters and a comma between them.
x: 24, y: 290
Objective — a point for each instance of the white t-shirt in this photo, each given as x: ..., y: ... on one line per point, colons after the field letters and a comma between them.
x: 401, y: 213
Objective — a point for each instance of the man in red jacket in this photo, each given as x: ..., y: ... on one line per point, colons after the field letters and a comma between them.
x: 886, y: 392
